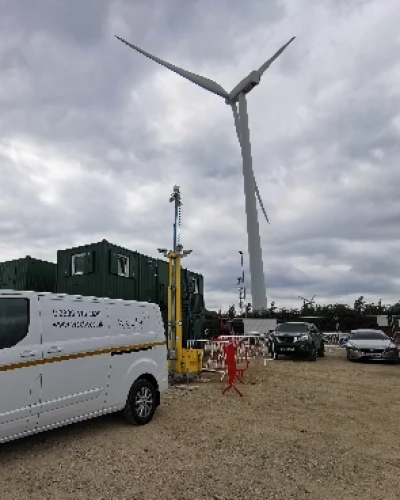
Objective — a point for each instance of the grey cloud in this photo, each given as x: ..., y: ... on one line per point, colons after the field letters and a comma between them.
x: 81, y: 23
x: 69, y: 87
x: 355, y: 286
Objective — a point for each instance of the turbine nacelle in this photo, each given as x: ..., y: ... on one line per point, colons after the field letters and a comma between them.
x: 247, y: 84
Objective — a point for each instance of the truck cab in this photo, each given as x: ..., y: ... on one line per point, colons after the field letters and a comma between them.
x: 298, y: 338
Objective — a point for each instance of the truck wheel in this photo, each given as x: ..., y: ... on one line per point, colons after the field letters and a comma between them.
x: 321, y: 351
x: 312, y: 355
x: 141, y: 403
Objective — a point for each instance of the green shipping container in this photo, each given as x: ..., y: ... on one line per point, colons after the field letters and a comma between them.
x: 106, y: 270
x: 28, y: 274
x: 101, y: 270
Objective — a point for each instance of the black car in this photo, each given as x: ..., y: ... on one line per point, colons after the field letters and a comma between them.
x: 301, y: 339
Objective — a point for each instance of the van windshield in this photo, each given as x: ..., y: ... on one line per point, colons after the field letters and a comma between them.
x: 292, y: 328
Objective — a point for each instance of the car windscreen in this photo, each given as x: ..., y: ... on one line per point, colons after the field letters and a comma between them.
x: 368, y: 336
x: 292, y: 328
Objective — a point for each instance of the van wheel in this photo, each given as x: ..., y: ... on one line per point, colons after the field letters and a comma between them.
x: 141, y: 403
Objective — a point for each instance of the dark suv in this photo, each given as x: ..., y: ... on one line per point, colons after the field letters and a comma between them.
x: 303, y: 339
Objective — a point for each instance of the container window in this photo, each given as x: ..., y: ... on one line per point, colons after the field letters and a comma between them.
x: 78, y: 263
x: 14, y: 321
x: 123, y: 265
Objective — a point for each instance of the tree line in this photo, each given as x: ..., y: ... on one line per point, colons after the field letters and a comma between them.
x: 327, y: 317
x: 360, y: 308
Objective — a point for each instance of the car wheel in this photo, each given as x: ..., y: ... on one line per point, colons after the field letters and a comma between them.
x: 348, y: 356
x: 312, y: 355
x: 141, y: 403
x: 321, y: 351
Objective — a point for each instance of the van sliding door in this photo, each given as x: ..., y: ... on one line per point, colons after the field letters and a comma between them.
x: 76, y: 358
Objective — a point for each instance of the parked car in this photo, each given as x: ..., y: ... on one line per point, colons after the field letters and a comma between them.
x: 67, y: 358
x: 298, y: 338
x: 366, y: 344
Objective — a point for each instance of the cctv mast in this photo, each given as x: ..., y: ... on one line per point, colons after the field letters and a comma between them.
x: 177, y: 355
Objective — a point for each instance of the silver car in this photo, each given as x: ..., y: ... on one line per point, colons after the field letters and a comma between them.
x: 371, y: 345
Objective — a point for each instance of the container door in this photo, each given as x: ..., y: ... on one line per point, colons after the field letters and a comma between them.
x: 20, y: 368
x: 76, y: 356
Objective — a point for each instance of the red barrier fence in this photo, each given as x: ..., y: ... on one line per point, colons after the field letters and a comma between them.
x: 248, y: 347
x: 233, y: 372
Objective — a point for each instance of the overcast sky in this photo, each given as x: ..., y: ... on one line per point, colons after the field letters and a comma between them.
x: 93, y: 137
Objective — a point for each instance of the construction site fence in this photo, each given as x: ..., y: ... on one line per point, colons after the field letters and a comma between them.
x: 248, y: 348
x: 332, y: 338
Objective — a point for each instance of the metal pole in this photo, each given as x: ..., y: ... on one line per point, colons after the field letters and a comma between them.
x: 258, y: 290
x: 171, y: 313
x: 178, y: 313
x: 240, y: 297
x: 174, y: 235
x: 241, y: 263
x: 243, y: 288
x: 175, y: 223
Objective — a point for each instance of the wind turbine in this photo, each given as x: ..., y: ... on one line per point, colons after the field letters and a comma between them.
x: 307, y: 302
x: 238, y: 96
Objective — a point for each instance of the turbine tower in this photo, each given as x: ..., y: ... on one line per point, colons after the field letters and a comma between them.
x: 237, y: 99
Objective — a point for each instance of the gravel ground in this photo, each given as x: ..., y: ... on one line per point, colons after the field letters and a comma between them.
x: 324, y: 430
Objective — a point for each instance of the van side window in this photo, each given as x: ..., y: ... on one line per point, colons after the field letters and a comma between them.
x: 14, y: 321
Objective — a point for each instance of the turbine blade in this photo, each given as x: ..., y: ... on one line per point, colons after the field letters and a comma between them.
x: 268, y: 63
x: 201, y: 81
x: 236, y: 116
x: 260, y: 200
x: 237, y: 121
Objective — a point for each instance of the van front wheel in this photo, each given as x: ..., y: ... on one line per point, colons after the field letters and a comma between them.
x: 141, y: 403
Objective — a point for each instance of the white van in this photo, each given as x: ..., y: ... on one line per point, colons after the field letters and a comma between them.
x: 67, y: 358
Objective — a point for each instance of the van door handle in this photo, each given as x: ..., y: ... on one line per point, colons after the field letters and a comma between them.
x: 54, y: 350
x: 27, y: 354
